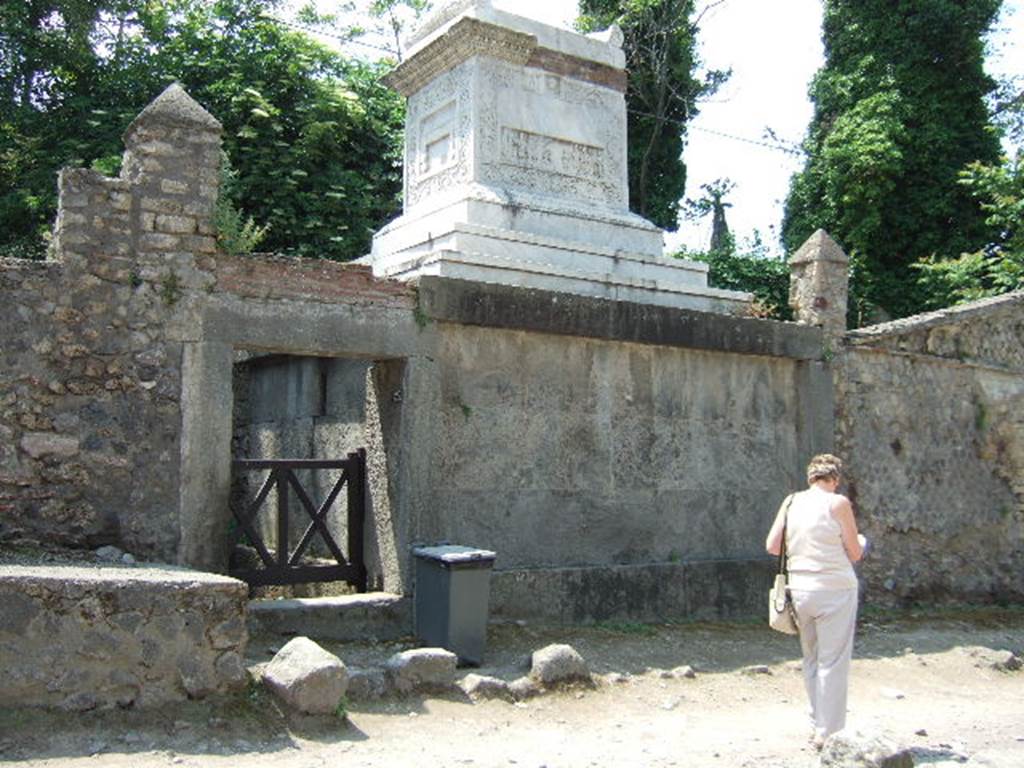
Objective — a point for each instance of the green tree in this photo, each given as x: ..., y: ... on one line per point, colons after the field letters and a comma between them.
x: 749, y: 268
x: 899, y: 112
x: 660, y: 39
x: 998, y: 267
x: 315, y: 137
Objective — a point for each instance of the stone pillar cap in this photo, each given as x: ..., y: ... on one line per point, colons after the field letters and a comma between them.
x: 174, y: 107
x: 819, y: 247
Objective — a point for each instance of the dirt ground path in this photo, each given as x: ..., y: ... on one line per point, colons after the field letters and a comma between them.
x: 926, y: 682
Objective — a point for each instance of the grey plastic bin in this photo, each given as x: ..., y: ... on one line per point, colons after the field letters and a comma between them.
x: 453, y: 585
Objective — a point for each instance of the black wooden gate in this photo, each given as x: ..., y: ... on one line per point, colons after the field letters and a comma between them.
x: 285, y: 565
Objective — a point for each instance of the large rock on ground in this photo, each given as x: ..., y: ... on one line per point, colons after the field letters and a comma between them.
x: 306, y: 677
x: 422, y: 669
x: 555, y: 664
x: 852, y: 749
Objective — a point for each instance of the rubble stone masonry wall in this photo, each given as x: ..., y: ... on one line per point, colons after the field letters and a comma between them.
x: 96, y: 343
x: 84, y: 637
x: 930, y: 416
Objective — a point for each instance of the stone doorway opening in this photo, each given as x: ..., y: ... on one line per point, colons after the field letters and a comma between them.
x: 294, y: 407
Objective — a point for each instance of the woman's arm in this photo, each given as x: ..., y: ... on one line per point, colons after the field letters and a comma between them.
x: 774, y: 541
x: 842, y: 511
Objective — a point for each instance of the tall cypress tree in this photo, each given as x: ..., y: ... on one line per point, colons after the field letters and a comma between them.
x: 899, y: 113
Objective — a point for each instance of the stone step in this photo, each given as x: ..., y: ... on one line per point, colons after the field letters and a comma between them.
x: 377, y: 615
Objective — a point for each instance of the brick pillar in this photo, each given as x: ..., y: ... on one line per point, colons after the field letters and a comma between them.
x: 172, y: 162
x: 818, y: 286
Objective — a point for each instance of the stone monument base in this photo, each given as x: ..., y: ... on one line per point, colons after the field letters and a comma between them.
x: 525, y: 243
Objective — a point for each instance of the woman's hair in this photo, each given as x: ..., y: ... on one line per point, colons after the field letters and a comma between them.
x: 824, y: 466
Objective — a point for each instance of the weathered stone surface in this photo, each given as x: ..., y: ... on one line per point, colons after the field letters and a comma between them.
x: 306, y: 677
x: 954, y: 531
x: 85, y: 637
x: 685, y: 671
x: 818, y: 286
x: 422, y: 669
x: 1001, y: 660
x: 524, y: 688
x: 558, y: 663
x: 485, y: 687
x: 39, y: 444
x: 852, y: 749
x: 366, y: 684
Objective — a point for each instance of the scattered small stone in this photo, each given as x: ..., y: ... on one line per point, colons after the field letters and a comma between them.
x: 756, y: 669
x: 422, y: 669
x: 853, y: 749
x: 892, y: 693
x: 109, y: 554
x: 128, y: 559
x: 558, y: 663
x: 685, y: 671
x: 618, y: 678
x: 1000, y: 660
x: 366, y: 684
x: 485, y: 687
x: 671, y: 704
x: 523, y: 688
x: 921, y: 732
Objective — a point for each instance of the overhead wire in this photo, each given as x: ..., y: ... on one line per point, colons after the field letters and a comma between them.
x: 778, y: 147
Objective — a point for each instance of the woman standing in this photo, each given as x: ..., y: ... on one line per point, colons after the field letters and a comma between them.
x: 822, y: 544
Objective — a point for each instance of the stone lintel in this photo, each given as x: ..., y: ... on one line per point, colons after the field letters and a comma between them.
x: 500, y: 306
x: 470, y: 37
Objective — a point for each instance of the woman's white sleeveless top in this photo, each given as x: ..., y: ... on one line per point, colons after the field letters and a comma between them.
x: 814, y: 545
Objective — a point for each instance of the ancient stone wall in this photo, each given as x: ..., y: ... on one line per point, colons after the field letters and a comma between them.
x: 591, y: 443
x: 106, y: 347
x: 930, y: 416
x: 84, y: 637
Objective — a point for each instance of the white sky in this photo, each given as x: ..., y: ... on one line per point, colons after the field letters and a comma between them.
x: 773, y: 48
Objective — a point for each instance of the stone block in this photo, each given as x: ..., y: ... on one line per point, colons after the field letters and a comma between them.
x: 173, y: 187
x: 158, y: 241
x: 558, y: 663
x: 306, y: 677
x: 422, y: 669
x: 178, y: 225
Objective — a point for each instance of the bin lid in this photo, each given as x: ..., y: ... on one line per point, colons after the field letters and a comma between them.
x: 454, y: 554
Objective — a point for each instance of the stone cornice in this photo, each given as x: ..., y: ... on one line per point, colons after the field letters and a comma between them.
x: 467, y: 38
x: 471, y: 37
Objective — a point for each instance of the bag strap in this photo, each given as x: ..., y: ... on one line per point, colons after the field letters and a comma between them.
x: 782, y: 549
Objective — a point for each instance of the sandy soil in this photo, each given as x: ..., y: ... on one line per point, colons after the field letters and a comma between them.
x: 926, y: 682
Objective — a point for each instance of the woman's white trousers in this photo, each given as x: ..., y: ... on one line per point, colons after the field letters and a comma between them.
x: 827, y: 619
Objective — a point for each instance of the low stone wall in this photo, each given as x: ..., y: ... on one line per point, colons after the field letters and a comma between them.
x: 79, y: 637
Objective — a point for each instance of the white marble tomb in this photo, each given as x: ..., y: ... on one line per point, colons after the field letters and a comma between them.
x: 515, y: 166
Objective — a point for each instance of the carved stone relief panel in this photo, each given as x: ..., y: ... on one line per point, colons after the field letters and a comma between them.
x: 551, y: 135
x: 438, y: 136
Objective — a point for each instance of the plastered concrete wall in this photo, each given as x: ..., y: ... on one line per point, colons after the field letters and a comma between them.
x: 930, y: 416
